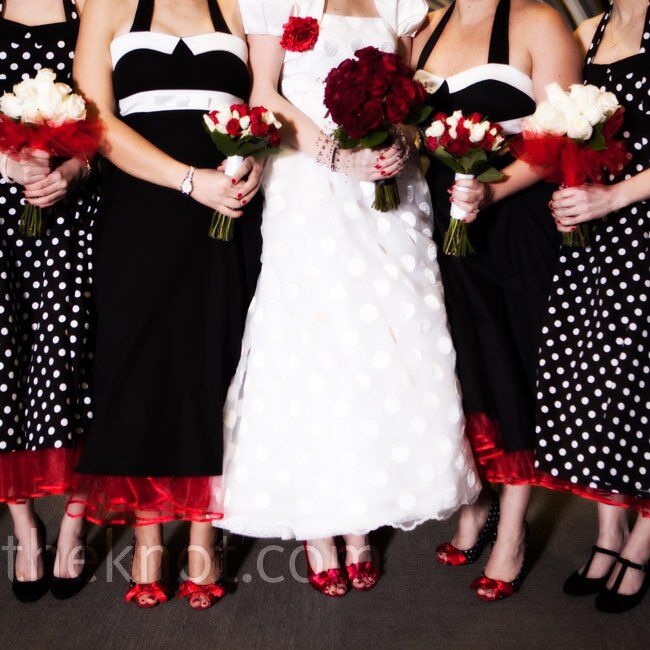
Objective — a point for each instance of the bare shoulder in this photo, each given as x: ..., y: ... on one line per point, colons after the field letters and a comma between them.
x: 538, y: 19
x: 232, y: 16
x: 111, y: 15
x: 587, y: 30
x: 430, y: 23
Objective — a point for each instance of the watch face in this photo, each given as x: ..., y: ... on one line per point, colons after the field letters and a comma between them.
x: 187, y: 186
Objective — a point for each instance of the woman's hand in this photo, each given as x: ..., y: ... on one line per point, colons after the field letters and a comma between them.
x: 574, y: 205
x: 57, y: 184
x: 372, y: 164
x: 32, y: 166
x: 470, y: 195
x: 247, y: 179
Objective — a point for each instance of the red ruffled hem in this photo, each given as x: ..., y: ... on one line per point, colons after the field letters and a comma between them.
x: 642, y: 506
x: 32, y: 474
x: 142, y: 501
x: 496, y: 465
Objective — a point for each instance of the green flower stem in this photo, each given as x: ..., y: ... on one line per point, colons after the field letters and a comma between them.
x: 222, y: 228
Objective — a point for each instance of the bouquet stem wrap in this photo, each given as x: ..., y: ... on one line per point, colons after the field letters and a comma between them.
x: 386, y: 195
x: 222, y: 228
x: 457, y: 241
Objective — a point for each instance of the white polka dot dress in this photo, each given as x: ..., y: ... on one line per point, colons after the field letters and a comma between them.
x: 593, y: 436
x: 45, y: 288
x: 345, y: 413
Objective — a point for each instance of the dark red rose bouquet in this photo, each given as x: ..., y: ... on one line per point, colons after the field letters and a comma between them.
x: 239, y: 131
x: 466, y: 145
x: 300, y: 34
x: 367, y: 97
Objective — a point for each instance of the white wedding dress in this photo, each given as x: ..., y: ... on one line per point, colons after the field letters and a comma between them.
x: 345, y: 413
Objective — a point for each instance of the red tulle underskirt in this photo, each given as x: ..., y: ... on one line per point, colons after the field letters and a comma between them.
x: 495, y: 464
x: 32, y: 474
x: 142, y: 501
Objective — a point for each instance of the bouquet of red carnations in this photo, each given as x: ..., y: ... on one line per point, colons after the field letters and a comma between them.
x: 570, y: 140
x: 239, y: 131
x: 43, y: 114
x: 467, y: 146
x: 366, y: 98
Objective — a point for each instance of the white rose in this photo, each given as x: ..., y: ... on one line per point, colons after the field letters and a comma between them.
x: 209, y: 123
x: 245, y: 122
x: 11, y: 106
x: 74, y: 108
x: 31, y: 110
x: 608, y: 103
x: 269, y: 118
x: 436, y: 129
x: 223, y: 115
x: 547, y: 119
x: 63, y: 89
x: 578, y: 128
x: 555, y: 95
x: 50, y: 105
x: 586, y: 98
x: 498, y: 143
x: 477, y: 131
x: 221, y: 128
x: 45, y: 76
x: 25, y: 88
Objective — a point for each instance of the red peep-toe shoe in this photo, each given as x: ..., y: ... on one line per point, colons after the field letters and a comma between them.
x: 365, y: 572
x: 500, y: 588
x: 327, y: 582
x: 210, y: 594
x: 461, y: 557
x: 141, y: 593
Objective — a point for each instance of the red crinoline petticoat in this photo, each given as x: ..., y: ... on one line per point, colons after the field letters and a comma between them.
x: 141, y: 501
x: 32, y: 474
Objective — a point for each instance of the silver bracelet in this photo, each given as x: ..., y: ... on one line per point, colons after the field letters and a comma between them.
x: 4, y: 163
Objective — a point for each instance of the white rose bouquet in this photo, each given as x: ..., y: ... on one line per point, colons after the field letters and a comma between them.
x: 43, y: 114
x: 239, y: 131
x: 570, y: 140
x: 467, y: 145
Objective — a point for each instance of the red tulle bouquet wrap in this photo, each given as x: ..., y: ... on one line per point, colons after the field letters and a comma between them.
x: 43, y: 114
x: 571, y: 140
x: 467, y: 145
x: 367, y: 97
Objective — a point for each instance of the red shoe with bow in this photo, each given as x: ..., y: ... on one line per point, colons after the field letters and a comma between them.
x: 501, y: 589
x: 363, y: 576
x: 331, y: 582
x: 146, y: 595
x: 201, y: 597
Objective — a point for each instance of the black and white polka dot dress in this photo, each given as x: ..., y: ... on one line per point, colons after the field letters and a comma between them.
x: 44, y: 300
x: 593, y: 436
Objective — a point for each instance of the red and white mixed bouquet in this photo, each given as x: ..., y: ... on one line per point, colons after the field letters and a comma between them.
x: 367, y: 97
x: 466, y: 145
x: 44, y: 114
x: 239, y: 131
x: 570, y: 140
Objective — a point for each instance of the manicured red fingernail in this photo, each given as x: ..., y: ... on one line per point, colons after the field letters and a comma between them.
x: 233, y: 181
x: 377, y: 166
x: 244, y: 202
x: 453, y: 200
x: 573, y: 228
x: 239, y: 195
x: 383, y: 173
x: 382, y: 158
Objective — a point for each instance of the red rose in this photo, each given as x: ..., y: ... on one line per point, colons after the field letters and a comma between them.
x: 397, y: 109
x: 378, y: 87
x: 233, y: 127
x: 214, y: 116
x: 352, y: 126
x: 259, y: 129
x: 242, y: 109
x: 274, y: 136
x: 300, y: 34
x: 371, y: 116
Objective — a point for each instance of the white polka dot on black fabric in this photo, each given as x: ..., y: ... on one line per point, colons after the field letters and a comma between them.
x: 597, y: 386
x: 44, y: 322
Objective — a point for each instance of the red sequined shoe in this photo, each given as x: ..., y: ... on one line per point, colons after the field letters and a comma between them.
x: 210, y: 594
x: 365, y: 572
x: 461, y: 557
x: 500, y: 588
x: 146, y: 595
x: 327, y: 582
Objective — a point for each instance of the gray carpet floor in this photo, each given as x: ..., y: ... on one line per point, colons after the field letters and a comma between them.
x: 417, y: 604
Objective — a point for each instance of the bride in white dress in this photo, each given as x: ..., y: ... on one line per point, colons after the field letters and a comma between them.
x: 345, y: 413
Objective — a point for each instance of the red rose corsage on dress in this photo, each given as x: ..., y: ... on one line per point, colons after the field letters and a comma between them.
x: 300, y: 34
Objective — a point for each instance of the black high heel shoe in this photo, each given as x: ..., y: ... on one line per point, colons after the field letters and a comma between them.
x: 577, y: 584
x: 33, y: 590
x: 611, y: 602
x: 461, y: 557
x: 65, y: 588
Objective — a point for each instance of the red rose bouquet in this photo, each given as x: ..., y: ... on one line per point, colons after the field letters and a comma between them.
x: 466, y: 145
x: 570, y: 140
x: 43, y: 114
x: 239, y: 131
x: 300, y: 34
x: 367, y: 97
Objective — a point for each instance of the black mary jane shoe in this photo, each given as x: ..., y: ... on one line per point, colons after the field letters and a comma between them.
x: 577, y: 584
x: 66, y: 588
x: 611, y: 602
x: 33, y: 590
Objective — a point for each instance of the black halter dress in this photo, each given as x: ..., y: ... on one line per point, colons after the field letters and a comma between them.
x: 495, y: 298
x: 45, y: 293
x: 171, y: 302
x: 593, y: 432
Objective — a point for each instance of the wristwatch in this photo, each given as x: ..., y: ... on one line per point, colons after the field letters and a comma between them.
x: 187, y: 186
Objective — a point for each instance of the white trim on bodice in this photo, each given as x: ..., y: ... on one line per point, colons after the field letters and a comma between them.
x: 153, y: 101
x: 167, y: 43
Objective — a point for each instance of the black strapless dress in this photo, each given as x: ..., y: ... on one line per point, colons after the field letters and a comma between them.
x: 171, y: 302
x: 496, y: 298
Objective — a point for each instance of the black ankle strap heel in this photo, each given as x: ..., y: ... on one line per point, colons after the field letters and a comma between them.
x: 577, y: 584
x: 611, y: 602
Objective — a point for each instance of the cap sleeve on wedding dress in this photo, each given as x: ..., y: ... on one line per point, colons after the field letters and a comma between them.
x: 404, y: 17
x: 265, y: 17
